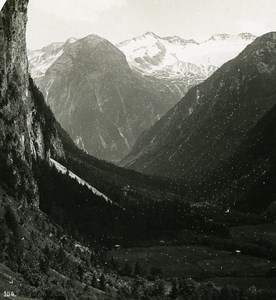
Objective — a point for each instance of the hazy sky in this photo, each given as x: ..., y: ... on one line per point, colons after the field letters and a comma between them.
x: 117, y: 20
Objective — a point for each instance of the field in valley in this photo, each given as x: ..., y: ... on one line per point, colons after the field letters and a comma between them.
x: 246, y: 282
x: 192, y: 261
x: 263, y: 231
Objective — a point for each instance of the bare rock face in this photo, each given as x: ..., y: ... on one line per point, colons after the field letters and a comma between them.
x: 100, y: 101
x: 22, y: 126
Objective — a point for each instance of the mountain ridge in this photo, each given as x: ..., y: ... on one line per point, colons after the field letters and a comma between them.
x: 228, y: 99
x: 162, y: 84
x: 158, y: 56
x: 172, y: 39
x: 100, y: 100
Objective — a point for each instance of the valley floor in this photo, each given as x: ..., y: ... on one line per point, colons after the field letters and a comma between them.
x: 208, y: 263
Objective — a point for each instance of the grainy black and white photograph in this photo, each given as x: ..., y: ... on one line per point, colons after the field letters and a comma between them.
x: 138, y: 149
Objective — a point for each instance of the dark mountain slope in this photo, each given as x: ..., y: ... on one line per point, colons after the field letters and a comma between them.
x: 213, y: 119
x: 100, y: 101
x: 247, y: 179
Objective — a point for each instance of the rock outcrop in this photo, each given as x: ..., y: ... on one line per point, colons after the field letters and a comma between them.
x: 23, y: 134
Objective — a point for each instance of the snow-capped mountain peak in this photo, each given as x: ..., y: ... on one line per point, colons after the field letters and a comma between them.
x: 247, y: 36
x: 71, y: 40
x: 162, y: 57
x: 180, y: 41
x: 52, y: 47
x: 150, y: 33
x: 175, y: 57
x: 220, y: 37
x: 41, y: 60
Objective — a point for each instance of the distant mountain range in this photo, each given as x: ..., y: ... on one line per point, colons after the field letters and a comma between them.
x: 169, y: 57
x: 105, y: 98
x: 102, y: 103
x: 203, y: 133
x: 174, y: 57
x: 41, y: 60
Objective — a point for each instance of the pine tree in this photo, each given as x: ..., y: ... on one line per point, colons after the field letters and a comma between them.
x: 175, y: 291
x: 137, y: 287
x: 80, y: 272
x: 62, y: 258
x: 138, y: 269
x: 159, y: 288
x: 48, y: 252
x: 94, y: 282
x: 92, y: 259
x: 11, y: 218
x: 44, y: 264
x: 188, y: 287
x: 113, y: 264
x: 127, y: 270
x: 102, y: 283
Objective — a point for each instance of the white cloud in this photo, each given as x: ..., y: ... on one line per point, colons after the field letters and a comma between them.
x: 117, y: 20
x: 84, y: 10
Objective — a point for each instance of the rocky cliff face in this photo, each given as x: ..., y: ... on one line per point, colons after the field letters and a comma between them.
x: 22, y: 136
